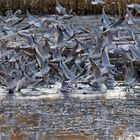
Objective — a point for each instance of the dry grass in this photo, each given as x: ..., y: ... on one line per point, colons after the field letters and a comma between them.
x: 48, y: 6
x: 35, y: 6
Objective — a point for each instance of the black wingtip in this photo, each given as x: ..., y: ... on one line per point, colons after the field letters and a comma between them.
x: 10, y: 91
x: 104, y: 29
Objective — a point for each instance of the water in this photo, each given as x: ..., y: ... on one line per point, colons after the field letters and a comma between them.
x: 74, y: 116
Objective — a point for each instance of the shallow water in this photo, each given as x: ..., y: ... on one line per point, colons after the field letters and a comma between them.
x: 73, y: 116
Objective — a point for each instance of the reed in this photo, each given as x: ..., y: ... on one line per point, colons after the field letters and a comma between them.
x: 80, y: 7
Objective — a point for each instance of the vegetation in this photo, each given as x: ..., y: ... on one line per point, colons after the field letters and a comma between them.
x: 48, y: 6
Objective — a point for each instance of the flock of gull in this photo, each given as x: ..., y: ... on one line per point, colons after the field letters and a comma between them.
x: 36, y: 51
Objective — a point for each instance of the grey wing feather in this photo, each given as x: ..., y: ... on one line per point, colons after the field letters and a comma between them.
x: 135, y: 51
x: 66, y: 71
x: 60, y: 9
x: 105, y: 21
x: 137, y: 7
x: 28, y: 37
x: 130, y: 79
x: 30, y: 17
x: 59, y: 35
x: 105, y: 58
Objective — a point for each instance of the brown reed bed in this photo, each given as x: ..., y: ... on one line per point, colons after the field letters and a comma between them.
x: 80, y: 7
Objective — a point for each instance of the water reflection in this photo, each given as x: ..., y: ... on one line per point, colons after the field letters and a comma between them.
x: 68, y: 119
x: 17, y: 135
x: 67, y: 138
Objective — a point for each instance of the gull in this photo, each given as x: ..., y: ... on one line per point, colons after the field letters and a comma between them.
x: 130, y: 79
x: 29, y: 67
x: 60, y: 9
x: 114, y: 25
x: 129, y: 30
x: 137, y: 37
x: 43, y: 72
x: 42, y: 50
x: 33, y: 21
x: 97, y: 2
x: 58, y: 34
x: 57, y: 55
x: 42, y: 53
x: 10, y: 16
x: 3, y: 49
x: 11, y: 29
x: 105, y: 58
x: 28, y: 37
x: 68, y: 31
x: 110, y: 81
x: 31, y: 81
x: 10, y: 83
x: 137, y: 7
x: 80, y: 30
x: 135, y: 52
x: 105, y: 20
x: 131, y: 19
x: 97, y: 82
x: 125, y: 54
x: 69, y: 75
x: 134, y: 6
x: 20, y: 84
x: 77, y: 63
x: 1, y: 32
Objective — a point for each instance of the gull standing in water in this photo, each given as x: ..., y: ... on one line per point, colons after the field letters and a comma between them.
x: 130, y: 79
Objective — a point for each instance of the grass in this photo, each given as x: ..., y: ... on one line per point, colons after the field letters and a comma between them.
x: 80, y: 7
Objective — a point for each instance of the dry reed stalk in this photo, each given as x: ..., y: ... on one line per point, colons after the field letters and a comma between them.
x: 80, y: 7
